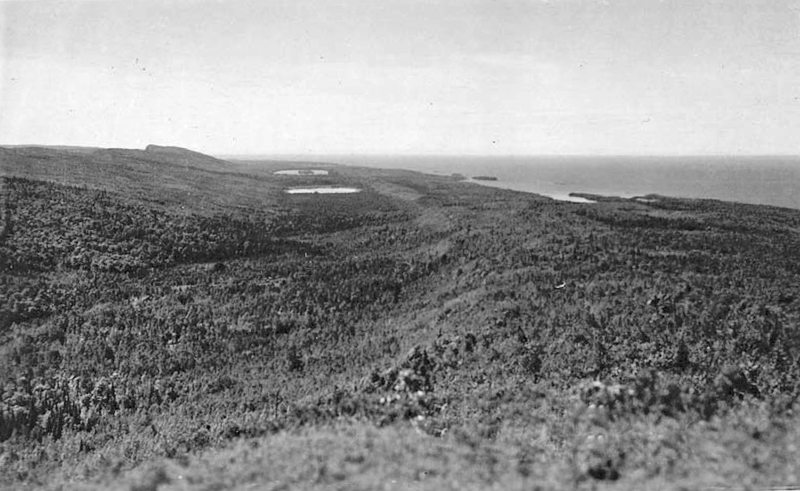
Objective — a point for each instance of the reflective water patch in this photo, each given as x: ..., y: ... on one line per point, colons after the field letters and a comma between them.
x: 302, y: 172
x: 323, y: 190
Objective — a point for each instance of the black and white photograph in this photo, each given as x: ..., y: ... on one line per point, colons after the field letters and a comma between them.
x: 399, y: 245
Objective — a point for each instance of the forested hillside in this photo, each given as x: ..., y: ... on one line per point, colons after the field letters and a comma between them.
x: 157, y: 306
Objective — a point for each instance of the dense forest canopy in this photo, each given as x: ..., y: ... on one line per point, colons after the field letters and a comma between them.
x: 160, y: 304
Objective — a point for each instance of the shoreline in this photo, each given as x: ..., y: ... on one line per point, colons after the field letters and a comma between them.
x: 766, y: 181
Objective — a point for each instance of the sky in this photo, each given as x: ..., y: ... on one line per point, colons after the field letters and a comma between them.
x: 477, y: 77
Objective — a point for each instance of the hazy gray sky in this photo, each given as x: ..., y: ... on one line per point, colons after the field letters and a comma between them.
x: 404, y: 76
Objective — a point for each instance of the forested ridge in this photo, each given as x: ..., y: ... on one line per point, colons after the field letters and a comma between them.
x: 138, y: 322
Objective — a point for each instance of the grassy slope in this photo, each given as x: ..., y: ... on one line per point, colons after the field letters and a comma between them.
x: 363, y: 457
x: 409, y: 334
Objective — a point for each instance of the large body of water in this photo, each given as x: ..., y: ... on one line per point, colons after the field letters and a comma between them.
x: 758, y: 180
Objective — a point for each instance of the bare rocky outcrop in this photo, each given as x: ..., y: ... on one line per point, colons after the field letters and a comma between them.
x: 414, y: 372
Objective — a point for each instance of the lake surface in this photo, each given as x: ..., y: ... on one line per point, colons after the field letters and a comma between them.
x: 323, y: 190
x: 758, y: 180
x: 302, y: 172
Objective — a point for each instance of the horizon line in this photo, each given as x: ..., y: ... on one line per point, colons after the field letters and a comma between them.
x: 514, y: 155
x: 417, y: 155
